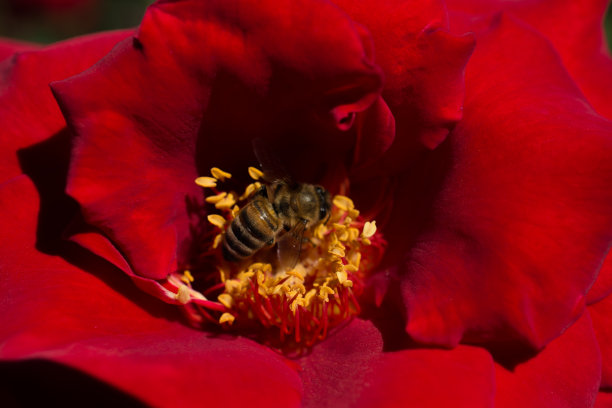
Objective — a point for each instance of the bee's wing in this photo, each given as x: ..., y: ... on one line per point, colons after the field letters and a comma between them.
x: 271, y: 166
x: 289, y: 246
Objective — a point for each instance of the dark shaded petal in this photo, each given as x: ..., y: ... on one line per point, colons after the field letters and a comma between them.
x: 423, y: 65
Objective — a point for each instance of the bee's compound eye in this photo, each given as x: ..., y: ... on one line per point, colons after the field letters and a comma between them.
x: 322, y: 212
x: 323, y: 200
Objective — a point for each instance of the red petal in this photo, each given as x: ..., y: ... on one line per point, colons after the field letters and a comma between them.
x: 8, y: 47
x: 565, y: 374
x: 604, y: 400
x: 337, y: 369
x: 603, y: 285
x: 575, y: 28
x: 96, y: 321
x: 200, y: 81
x: 601, y: 314
x: 350, y: 369
x: 25, y: 78
x: 514, y: 214
x: 463, y: 377
x: 423, y: 65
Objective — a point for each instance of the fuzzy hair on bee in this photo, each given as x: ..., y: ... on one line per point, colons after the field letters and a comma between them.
x: 279, y: 213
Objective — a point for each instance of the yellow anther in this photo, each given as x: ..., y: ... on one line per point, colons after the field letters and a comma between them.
x: 353, y: 234
x: 320, y: 231
x: 217, y: 241
x: 369, y: 229
x: 344, y: 203
x: 232, y: 286
x: 220, y: 174
x: 226, y: 300
x: 308, y: 297
x: 333, y: 238
x: 301, y: 288
x: 353, y: 213
x: 296, y: 274
x: 216, y: 198
x: 338, y: 265
x: 227, y: 318
x: 216, y: 220
x: 344, y: 235
x: 255, y: 173
x: 226, y: 202
x: 347, y: 283
x: 365, y: 241
x: 207, y: 182
x: 261, y: 277
x: 354, y: 258
x: 256, y: 266
x: 249, y: 190
x: 187, y: 276
x: 337, y: 251
x: 327, y: 290
x: 222, y: 275
x: 182, y: 295
x: 351, y: 268
x: 235, y: 210
x: 342, y: 276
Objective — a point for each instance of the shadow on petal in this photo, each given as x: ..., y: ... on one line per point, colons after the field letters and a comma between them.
x: 28, y: 383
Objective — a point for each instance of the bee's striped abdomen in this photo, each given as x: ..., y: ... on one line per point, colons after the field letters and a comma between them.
x: 255, y: 226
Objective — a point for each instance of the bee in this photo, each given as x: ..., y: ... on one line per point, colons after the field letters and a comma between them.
x: 279, y: 213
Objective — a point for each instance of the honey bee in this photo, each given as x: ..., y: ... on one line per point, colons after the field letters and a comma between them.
x: 280, y: 212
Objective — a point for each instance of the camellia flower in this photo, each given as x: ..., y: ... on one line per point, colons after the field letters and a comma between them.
x: 462, y: 259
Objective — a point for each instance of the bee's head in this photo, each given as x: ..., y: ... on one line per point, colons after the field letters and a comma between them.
x: 325, y: 200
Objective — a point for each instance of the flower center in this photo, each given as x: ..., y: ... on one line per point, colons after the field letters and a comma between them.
x: 278, y: 273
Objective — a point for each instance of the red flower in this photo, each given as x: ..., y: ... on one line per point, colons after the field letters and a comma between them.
x: 496, y: 203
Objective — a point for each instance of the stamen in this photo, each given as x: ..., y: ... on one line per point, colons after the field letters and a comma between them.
x: 369, y: 229
x: 220, y: 174
x: 216, y: 220
x: 206, y: 182
x: 216, y: 198
x: 227, y: 318
x: 301, y: 303
x: 255, y: 173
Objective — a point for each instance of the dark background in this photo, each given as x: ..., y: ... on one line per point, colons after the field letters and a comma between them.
x: 47, y: 21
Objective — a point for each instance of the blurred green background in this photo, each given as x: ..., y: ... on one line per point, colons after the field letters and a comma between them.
x: 46, y: 21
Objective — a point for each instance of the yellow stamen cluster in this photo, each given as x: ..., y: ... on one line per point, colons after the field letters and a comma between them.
x: 317, y: 293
